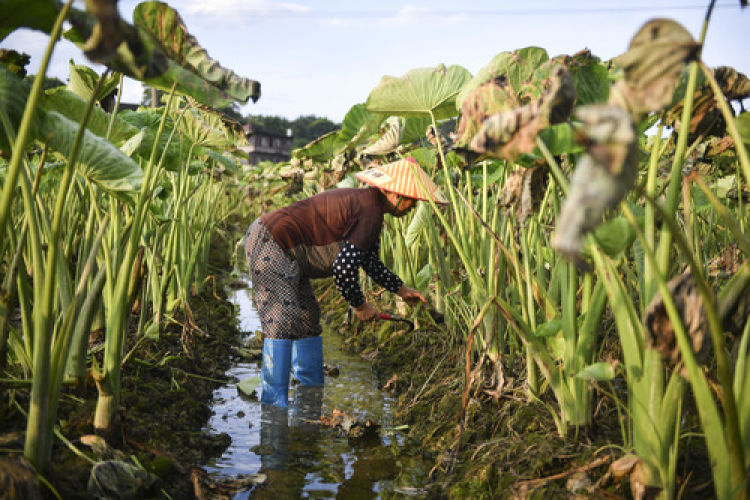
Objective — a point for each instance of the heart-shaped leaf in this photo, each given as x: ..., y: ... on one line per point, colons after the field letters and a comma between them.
x: 73, y: 106
x: 99, y: 160
x: 420, y: 92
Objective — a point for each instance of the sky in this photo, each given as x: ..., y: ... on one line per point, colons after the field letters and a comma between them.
x: 322, y: 57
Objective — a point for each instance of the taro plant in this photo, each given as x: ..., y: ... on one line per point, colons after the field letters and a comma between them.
x: 99, y: 172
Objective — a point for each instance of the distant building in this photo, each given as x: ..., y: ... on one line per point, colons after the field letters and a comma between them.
x: 263, y: 146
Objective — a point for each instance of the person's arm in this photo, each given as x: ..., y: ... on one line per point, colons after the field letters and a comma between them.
x: 376, y: 269
x: 346, y: 277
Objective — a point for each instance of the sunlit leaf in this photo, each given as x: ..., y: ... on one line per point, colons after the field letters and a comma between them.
x: 419, y: 92
x: 358, y: 125
x: 320, y: 149
x: 83, y: 81
x: 507, y: 68
x: 166, y: 26
x: 158, y: 50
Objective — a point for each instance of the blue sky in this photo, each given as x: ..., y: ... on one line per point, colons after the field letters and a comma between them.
x: 322, y: 57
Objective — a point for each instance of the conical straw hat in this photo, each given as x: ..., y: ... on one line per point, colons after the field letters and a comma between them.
x: 403, y: 177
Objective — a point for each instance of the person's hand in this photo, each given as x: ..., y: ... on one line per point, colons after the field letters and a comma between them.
x: 410, y: 295
x: 365, y: 312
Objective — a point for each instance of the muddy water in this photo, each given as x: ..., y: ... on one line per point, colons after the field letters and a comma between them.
x: 304, y: 460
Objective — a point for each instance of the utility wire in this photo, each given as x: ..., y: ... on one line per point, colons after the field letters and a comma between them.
x: 280, y: 13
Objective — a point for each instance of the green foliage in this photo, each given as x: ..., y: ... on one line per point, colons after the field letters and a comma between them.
x: 420, y: 92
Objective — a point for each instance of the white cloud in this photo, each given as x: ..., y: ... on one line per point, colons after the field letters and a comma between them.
x: 230, y: 9
x: 408, y: 14
x: 414, y: 15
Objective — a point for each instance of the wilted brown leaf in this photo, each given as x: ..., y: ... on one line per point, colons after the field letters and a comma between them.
x: 653, y: 62
x: 707, y: 118
x: 603, y: 175
x: 692, y: 311
x: 510, y: 133
x: 524, y: 190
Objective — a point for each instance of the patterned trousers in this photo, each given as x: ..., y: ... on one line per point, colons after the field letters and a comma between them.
x: 282, y: 295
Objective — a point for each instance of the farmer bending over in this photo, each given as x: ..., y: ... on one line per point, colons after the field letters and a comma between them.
x: 333, y: 233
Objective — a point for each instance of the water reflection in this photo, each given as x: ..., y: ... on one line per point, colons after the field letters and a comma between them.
x: 301, y: 458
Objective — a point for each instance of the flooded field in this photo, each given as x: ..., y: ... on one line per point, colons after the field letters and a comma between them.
x: 298, y: 456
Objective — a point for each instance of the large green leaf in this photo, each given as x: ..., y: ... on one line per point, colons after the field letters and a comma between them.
x: 358, y: 125
x: 514, y: 68
x: 590, y: 76
x: 166, y: 26
x: 419, y: 92
x: 13, y: 94
x: 99, y: 160
x: 206, y: 128
x: 72, y: 106
x: 414, y: 129
x: 159, y: 51
x: 320, y: 149
x: 34, y: 14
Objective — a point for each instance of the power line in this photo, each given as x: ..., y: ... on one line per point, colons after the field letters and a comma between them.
x: 380, y: 14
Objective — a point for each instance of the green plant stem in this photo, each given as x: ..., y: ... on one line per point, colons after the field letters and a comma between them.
x: 108, y: 381
x: 673, y: 191
x: 24, y: 129
x: 38, y: 445
x: 731, y: 424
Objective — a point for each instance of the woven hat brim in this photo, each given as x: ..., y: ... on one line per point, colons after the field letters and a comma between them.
x: 391, y: 177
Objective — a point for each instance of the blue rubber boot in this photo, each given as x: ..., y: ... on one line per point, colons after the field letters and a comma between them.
x: 274, y: 372
x: 307, y: 361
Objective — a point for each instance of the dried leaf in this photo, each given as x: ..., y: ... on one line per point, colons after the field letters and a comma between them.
x: 692, y: 311
x: 524, y: 190
x: 510, y: 133
x: 603, y: 176
x: 707, y: 118
x: 653, y: 63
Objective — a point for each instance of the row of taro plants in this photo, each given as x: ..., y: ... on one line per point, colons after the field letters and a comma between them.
x: 587, y: 199
x: 104, y: 212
